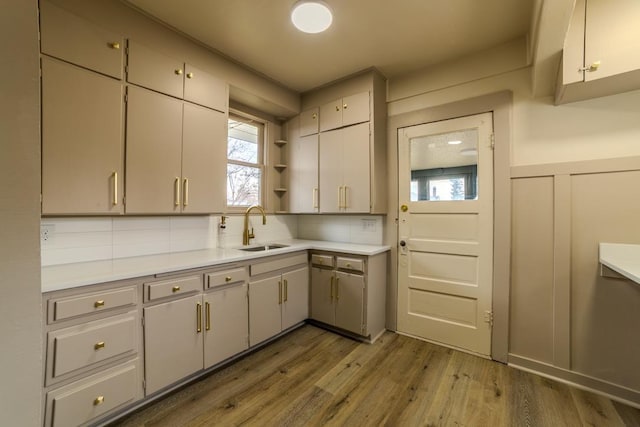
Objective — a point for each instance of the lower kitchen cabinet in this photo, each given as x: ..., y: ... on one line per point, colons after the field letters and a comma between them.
x: 172, y: 341
x: 349, y: 293
x: 278, y: 296
x: 226, y: 323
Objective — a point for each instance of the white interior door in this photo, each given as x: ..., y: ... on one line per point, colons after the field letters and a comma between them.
x: 445, y: 257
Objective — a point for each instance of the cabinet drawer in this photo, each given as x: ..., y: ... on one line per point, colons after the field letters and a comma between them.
x: 83, y: 345
x: 84, y: 400
x: 323, y: 260
x: 171, y: 287
x: 353, y: 264
x: 277, y: 264
x: 226, y: 277
x: 75, y: 40
x: 65, y: 308
x: 154, y: 70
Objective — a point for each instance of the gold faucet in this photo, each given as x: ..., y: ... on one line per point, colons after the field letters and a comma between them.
x: 246, y: 234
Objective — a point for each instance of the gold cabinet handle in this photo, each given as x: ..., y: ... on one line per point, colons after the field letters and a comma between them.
x: 337, y: 288
x: 228, y: 279
x: 337, y: 108
x: 99, y: 303
x: 98, y: 345
x: 176, y: 190
x: 279, y: 292
x: 175, y: 289
x: 344, y: 107
x: 207, y: 310
x: 115, y: 188
x: 114, y: 45
x: 591, y: 68
x: 189, y: 75
x: 332, y: 278
x: 315, y: 197
x: 198, y: 317
x: 98, y: 401
x: 178, y: 71
x: 348, y: 265
x: 344, y: 205
x: 286, y: 290
x: 185, y: 192
x: 339, y: 197
x: 314, y: 116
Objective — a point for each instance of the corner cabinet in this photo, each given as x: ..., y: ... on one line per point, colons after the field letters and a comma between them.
x: 338, y: 148
x: 600, y: 58
x: 348, y: 292
x: 278, y: 295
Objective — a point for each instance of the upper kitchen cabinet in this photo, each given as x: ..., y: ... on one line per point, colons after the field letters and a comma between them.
x: 345, y: 111
x: 303, y: 168
x: 173, y: 148
x: 82, y: 141
x: 162, y: 73
x: 75, y: 40
x: 600, y: 51
x: 352, y: 148
x: 309, y: 122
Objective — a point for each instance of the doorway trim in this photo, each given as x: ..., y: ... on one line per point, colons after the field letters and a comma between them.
x: 500, y: 105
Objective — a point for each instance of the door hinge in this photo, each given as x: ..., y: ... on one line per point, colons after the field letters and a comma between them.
x: 488, y: 317
x: 142, y: 321
x: 493, y: 141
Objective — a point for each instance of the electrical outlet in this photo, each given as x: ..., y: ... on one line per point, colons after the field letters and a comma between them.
x: 369, y: 225
x: 46, y: 232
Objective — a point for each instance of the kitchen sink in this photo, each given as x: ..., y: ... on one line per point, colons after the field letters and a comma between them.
x: 263, y: 248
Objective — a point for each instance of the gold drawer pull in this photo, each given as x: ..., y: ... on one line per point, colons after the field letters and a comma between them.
x: 99, y: 303
x: 179, y: 72
x: 175, y: 289
x: 98, y: 401
x: 98, y: 345
x: 189, y: 75
x: 344, y: 106
x: 348, y: 265
x: 337, y: 108
x: 314, y: 116
x: 114, y: 45
x: 227, y: 279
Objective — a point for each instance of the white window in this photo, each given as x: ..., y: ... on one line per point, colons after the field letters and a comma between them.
x: 245, y: 162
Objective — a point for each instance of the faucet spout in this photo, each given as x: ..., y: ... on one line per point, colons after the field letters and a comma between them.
x: 246, y: 234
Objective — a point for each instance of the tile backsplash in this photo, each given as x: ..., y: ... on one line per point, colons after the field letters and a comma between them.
x: 68, y: 240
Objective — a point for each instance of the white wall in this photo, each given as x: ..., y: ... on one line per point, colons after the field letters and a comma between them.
x: 542, y: 132
x: 20, y: 300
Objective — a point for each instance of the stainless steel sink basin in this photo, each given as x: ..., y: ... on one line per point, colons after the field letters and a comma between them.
x: 263, y: 248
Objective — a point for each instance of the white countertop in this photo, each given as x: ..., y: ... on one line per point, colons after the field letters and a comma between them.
x: 622, y: 258
x: 65, y: 276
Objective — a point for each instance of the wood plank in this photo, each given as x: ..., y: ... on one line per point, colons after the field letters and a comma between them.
x: 312, y: 377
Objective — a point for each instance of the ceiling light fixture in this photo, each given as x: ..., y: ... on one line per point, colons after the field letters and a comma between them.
x: 311, y: 16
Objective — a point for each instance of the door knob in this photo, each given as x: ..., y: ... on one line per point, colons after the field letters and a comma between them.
x: 403, y: 243
x: 404, y: 208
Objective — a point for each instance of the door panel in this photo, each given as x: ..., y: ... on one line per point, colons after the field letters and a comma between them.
x: 322, y: 308
x: 349, y: 296
x: 204, y: 89
x: 445, y: 268
x: 355, y: 144
x: 155, y: 70
x: 303, y: 174
x: 154, y: 152
x: 355, y: 109
x: 265, y: 301
x: 331, y: 161
x: 309, y: 122
x: 204, y: 149
x: 295, y: 304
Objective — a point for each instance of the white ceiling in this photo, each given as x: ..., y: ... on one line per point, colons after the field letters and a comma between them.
x: 397, y: 37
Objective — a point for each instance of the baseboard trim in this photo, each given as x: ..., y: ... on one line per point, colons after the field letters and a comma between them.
x: 584, y: 382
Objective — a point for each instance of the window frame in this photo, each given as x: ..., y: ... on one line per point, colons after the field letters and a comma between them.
x: 261, y: 124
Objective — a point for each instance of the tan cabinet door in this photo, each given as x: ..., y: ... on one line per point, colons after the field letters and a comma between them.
x: 204, y: 89
x: 265, y: 299
x: 173, y: 337
x: 331, y: 115
x: 349, y: 296
x: 322, y: 295
x: 356, y: 179
x: 154, y: 152
x: 226, y: 323
x: 330, y: 168
x: 303, y: 174
x: 69, y: 37
x: 154, y: 70
x: 204, y: 147
x: 309, y: 122
x: 295, y: 299
x: 355, y: 109
x: 82, y: 141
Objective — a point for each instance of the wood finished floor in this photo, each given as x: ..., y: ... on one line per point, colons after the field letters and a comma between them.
x: 312, y: 377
